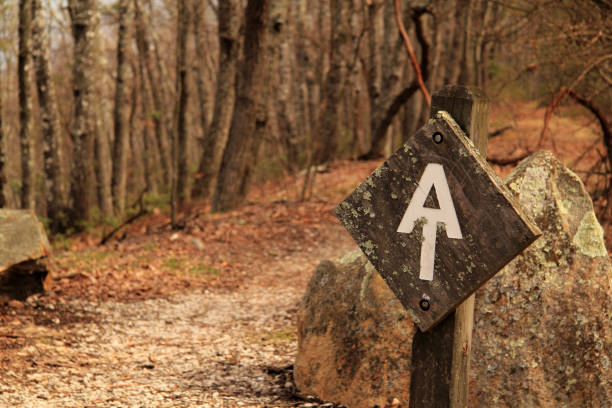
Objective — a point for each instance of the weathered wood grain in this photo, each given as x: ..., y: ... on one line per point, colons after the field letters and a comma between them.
x: 469, y: 106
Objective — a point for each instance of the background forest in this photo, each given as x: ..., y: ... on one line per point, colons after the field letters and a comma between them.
x: 110, y: 108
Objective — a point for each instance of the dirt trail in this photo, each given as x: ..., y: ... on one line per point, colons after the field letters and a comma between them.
x: 205, y: 348
x: 200, y: 318
x: 127, y: 325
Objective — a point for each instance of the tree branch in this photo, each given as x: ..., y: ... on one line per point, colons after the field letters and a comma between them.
x: 410, y: 50
x: 604, y: 121
x: 561, y: 93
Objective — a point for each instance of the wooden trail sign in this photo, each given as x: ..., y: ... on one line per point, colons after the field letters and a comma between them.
x: 436, y: 221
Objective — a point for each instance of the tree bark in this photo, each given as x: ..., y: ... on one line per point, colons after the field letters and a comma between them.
x: 104, y: 165
x: 138, y: 167
x: 216, y: 139
x: 301, y: 61
x: 232, y: 181
x: 454, y: 52
x: 333, y: 88
x: 201, y: 53
x: 159, y: 113
x: 3, y: 200
x: 24, y: 66
x: 468, y: 70
x: 102, y: 129
x: 385, y: 110
x: 120, y: 113
x: 49, y: 119
x: 181, y: 136
x: 83, y: 179
x: 150, y: 152
x: 287, y: 117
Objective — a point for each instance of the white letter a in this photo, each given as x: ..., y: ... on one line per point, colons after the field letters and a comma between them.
x: 433, y: 176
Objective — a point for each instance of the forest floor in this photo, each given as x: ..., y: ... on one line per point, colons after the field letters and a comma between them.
x: 204, y: 316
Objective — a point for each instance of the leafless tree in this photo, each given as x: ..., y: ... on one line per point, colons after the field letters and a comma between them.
x: 232, y: 185
x: 121, y: 109
x: 83, y: 179
x: 28, y: 196
x: 215, y: 140
x: 49, y: 117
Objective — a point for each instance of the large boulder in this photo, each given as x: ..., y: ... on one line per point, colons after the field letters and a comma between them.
x: 542, y: 335
x: 542, y: 325
x: 24, y: 249
x: 355, y: 337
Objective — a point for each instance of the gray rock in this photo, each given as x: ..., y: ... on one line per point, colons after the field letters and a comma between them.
x: 542, y: 325
x: 542, y: 335
x: 24, y: 248
x: 354, y: 337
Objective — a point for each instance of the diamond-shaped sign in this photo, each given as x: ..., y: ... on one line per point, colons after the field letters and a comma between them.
x: 436, y: 221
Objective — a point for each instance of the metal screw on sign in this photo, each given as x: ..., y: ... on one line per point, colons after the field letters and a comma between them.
x: 424, y: 304
x: 438, y: 137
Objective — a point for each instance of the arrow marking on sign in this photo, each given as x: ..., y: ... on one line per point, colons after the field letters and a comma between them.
x: 433, y: 177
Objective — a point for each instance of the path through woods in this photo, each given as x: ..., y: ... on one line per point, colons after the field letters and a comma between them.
x: 176, y: 319
x: 204, y: 316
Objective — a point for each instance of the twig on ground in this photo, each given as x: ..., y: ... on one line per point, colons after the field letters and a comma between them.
x: 142, y: 211
x: 130, y: 220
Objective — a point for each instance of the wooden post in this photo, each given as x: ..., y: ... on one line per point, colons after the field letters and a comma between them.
x: 441, y: 356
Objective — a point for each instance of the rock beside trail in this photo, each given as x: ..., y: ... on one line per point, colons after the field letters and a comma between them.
x: 542, y: 335
x: 543, y: 331
x: 355, y: 338
x: 24, y: 248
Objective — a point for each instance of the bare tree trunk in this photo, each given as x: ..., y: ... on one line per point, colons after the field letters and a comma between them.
x: 216, y: 139
x: 376, y: 42
x: 198, y: 22
x: 183, y: 192
x: 83, y: 179
x: 266, y: 121
x: 316, y: 77
x: 120, y: 114
x: 102, y: 129
x: 287, y: 117
x: 392, y: 98
x: 3, y: 200
x: 28, y: 197
x: 454, y: 52
x: 159, y: 113
x: 150, y: 153
x: 104, y: 166
x: 233, y: 176
x: 467, y: 76
x: 437, y: 31
x: 333, y: 88
x: 49, y: 122
x: 302, y: 62
x: 167, y: 91
x: 481, y: 45
x: 138, y: 181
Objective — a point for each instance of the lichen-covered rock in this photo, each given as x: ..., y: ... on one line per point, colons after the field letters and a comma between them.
x: 542, y: 334
x: 354, y: 337
x: 24, y: 248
